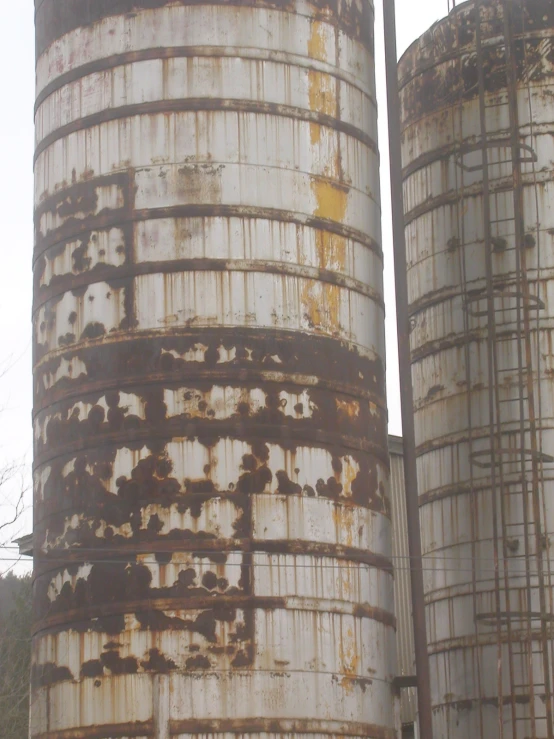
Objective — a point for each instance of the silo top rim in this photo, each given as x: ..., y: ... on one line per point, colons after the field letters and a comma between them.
x: 442, y: 40
x: 416, y: 42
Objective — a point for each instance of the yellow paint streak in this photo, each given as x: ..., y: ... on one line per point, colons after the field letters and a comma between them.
x: 350, y: 409
x: 350, y: 660
x: 321, y: 307
x: 331, y: 199
x: 321, y: 87
x: 331, y: 250
x: 316, y: 42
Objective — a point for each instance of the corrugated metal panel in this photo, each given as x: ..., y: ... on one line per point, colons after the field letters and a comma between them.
x: 212, y: 513
x: 475, y: 658
x: 402, y: 580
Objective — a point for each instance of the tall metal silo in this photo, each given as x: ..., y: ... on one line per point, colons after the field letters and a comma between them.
x: 477, y: 95
x: 212, y: 526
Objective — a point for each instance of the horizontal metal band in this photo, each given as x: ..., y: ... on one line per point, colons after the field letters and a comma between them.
x: 482, y: 640
x: 99, y: 731
x: 65, y: 283
x: 204, y: 104
x: 208, y: 547
x: 69, y: 619
x: 435, y: 156
x: 122, y: 217
x: 438, y: 346
x: 54, y: 21
x: 212, y: 428
x: 203, y: 727
x: 79, y: 618
x: 429, y: 348
x: 484, y: 586
x: 444, y: 442
x: 276, y: 356
x: 481, y: 486
x: 453, y: 197
x: 294, y: 727
x: 231, y: 376
x: 190, y: 52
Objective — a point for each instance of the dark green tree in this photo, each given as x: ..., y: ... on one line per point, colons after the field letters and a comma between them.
x: 15, y: 655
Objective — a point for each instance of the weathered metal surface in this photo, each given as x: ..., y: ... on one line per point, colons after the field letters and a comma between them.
x: 212, y: 519
x: 475, y: 639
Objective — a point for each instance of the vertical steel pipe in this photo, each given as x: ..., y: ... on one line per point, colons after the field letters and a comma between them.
x: 406, y: 392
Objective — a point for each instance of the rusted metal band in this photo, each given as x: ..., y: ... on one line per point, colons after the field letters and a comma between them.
x: 484, y: 640
x: 206, y: 547
x: 101, y: 731
x: 431, y: 348
x: 53, y: 20
x: 509, y: 430
x: 435, y: 156
x: 189, y: 52
x: 460, y: 488
x: 232, y: 376
x: 294, y: 727
x: 505, y: 289
x: 226, y: 726
x: 230, y: 428
x: 274, y: 355
x: 445, y: 343
x: 119, y: 218
x: 106, y: 273
x: 79, y: 618
x: 504, y: 184
x: 163, y: 107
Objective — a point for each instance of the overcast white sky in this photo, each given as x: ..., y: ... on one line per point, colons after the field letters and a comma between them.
x: 16, y: 199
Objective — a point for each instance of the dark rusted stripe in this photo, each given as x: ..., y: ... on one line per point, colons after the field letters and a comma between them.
x: 442, y: 153
x: 231, y: 376
x: 80, y: 618
x: 262, y: 355
x: 101, y: 731
x: 106, y: 273
x: 161, y: 107
x: 431, y: 348
x: 227, y: 726
x: 65, y: 557
x: 121, y: 217
x: 452, y: 197
x: 187, y: 52
x: 457, y: 489
x: 214, y: 428
x: 293, y: 727
x: 54, y: 19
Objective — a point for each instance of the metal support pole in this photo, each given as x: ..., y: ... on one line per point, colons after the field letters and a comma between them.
x: 406, y: 391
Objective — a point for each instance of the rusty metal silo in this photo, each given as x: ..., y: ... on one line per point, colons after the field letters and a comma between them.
x: 476, y: 94
x: 212, y: 526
